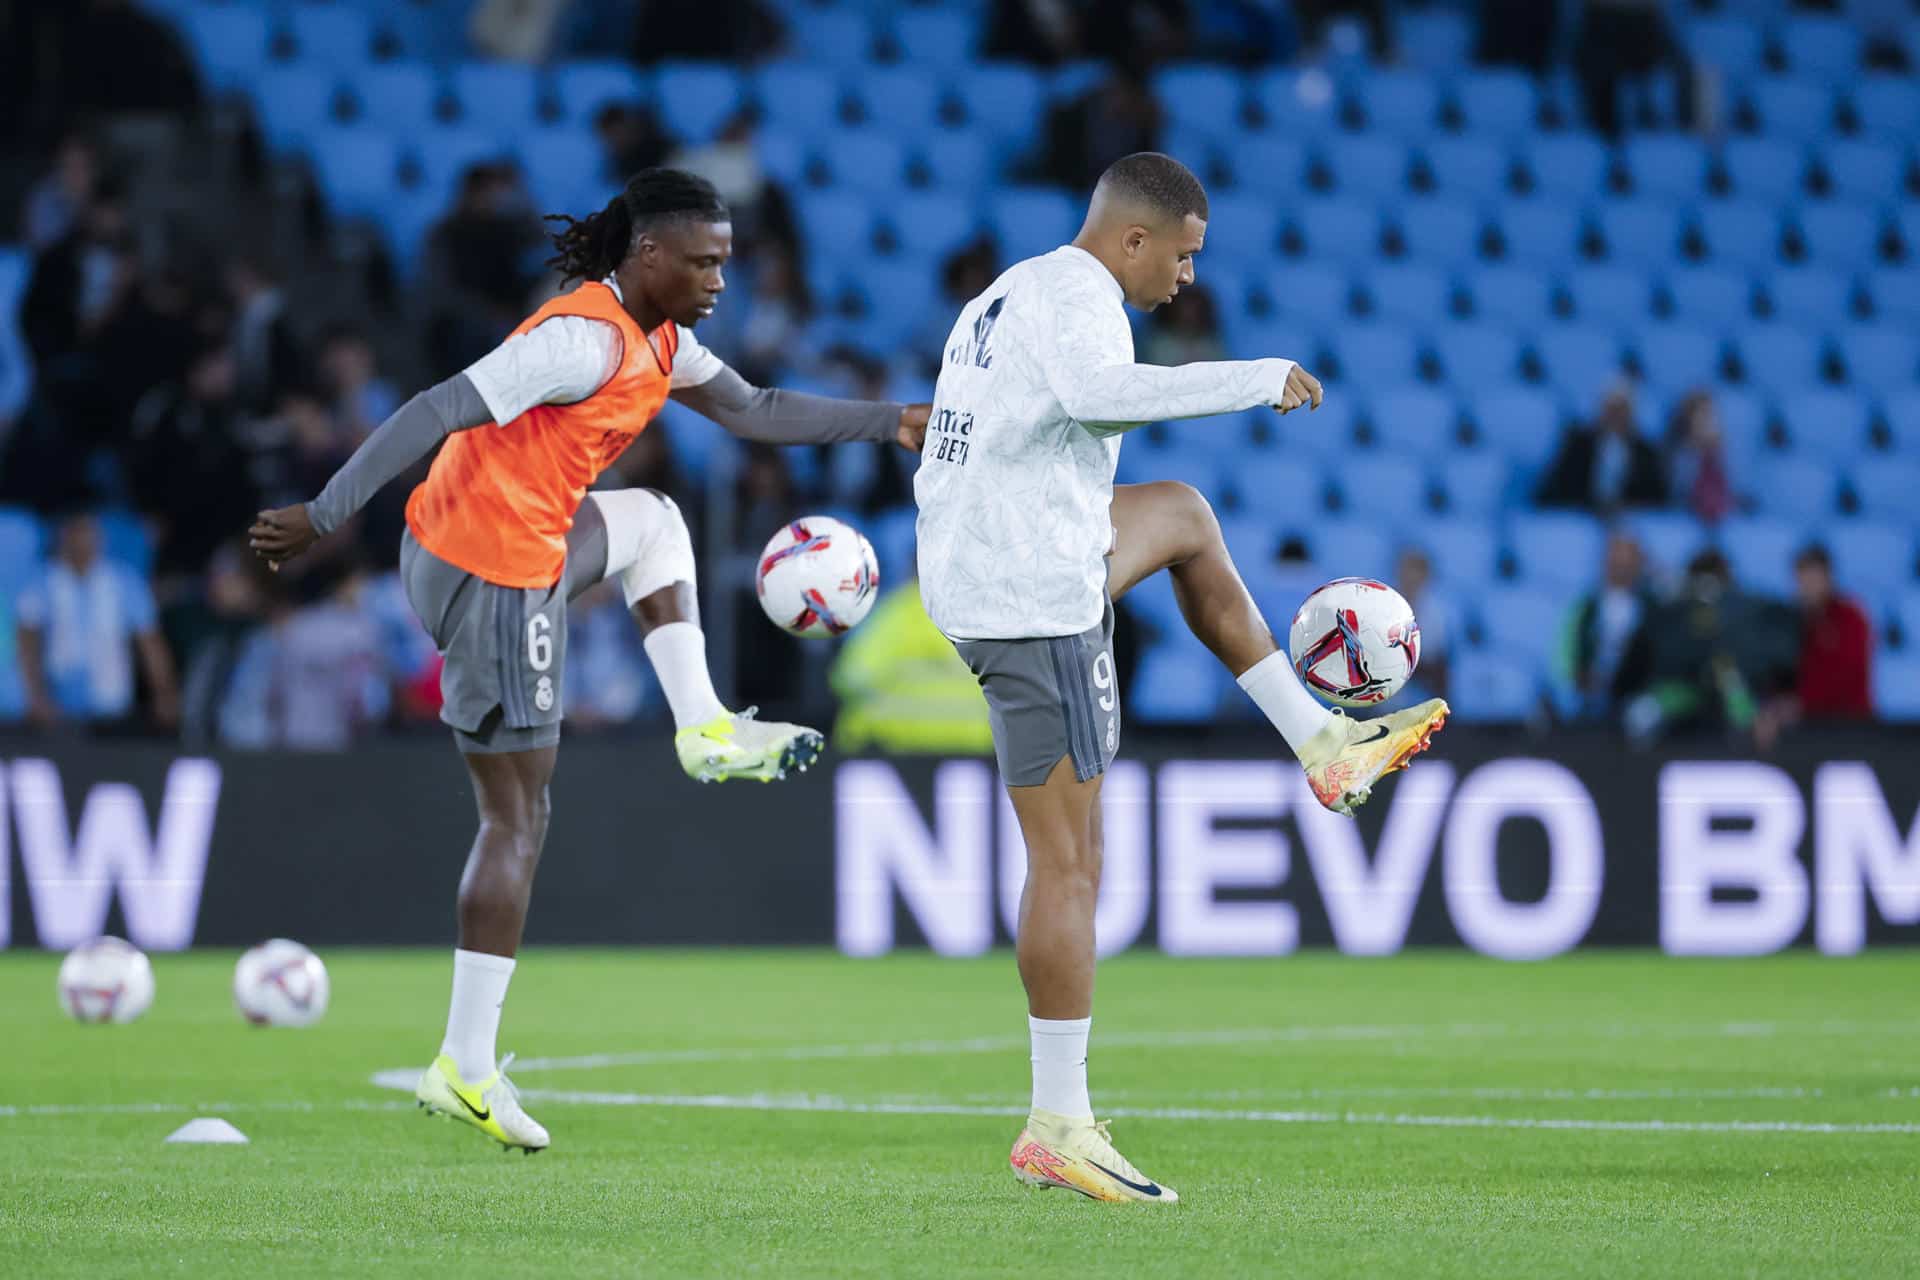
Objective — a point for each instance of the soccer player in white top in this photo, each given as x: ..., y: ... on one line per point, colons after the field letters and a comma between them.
x: 1025, y: 540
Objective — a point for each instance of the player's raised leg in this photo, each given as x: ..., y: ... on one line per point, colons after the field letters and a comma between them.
x: 1171, y: 526
x: 639, y: 536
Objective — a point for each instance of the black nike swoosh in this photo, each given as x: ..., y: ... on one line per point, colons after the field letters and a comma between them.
x: 1379, y: 731
x: 478, y: 1114
x: 1144, y: 1188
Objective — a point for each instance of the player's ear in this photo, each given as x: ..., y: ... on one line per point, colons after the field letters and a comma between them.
x: 1135, y: 240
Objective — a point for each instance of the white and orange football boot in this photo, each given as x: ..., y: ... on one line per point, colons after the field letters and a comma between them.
x: 1056, y: 1151
x: 1346, y: 758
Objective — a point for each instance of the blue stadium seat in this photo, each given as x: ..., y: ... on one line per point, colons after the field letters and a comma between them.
x: 1206, y: 472
x: 1676, y: 357
x: 798, y: 99
x: 1540, y: 232
x: 1517, y: 297
x: 1486, y: 686
x: 1881, y: 358
x: 899, y: 296
x: 398, y: 97
x: 1392, y: 489
x: 444, y: 154
x: 1906, y: 225
x: 1276, y: 485
x: 358, y: 170
x: 1243, y: 227
x: 1318, y: 295
x: 1412, y: 419
x: 1868, y: 171
x: 1372, y: 355
x: 1885, y: 488
x: 1368, y: 168
x: 1761, y: 551
x: 1742, y: 234
x: 1409, y: 293
x: 842, y: 219
x: 1875, y: 560
x: 581, y: 88
x: 1207, y: 99
x: 1433, y: 39
x: 1764, y: 169
x: 1175, y: 685
x: 1612, y: 296
x: 1560, y: 549
x: 1887, y: 107
x: 501, y: 96
x: 21, y: 540
x: 1336, y: 230
x: 1475, y: 485
x: 962, y: 162
x: 1228, y: 436
x: 404, y: 221
x: 1028, y: 221
x: 1826, y: 49
x: 832, y: 37
x: 1522, y: 622
x: 1669, y: 538
x: 330, y: 35
x: 1296, y: 104
x: 1812, y: 296
x: 1006, y: 99
x: 1708, y: 295
x: 230, y: 42
x: 904, y: 100
x: 1357, y: 547
x: 1326, y: 433
x: 695, y: 99
x: 1743, y: 422
x: 1443, y: 232
x: 1498, y: 104
x: 293, y: 104
x: 1900, y: 412
x: 1580, y: 361
x: 565, y: 169
x: 1730, y: 45
x: 1518, y: 421
x: 1467, y: 168
x: 929, y: 225
x: 1255, y: 337
x: 1666, y: 166
x: 1896, y: 294
x: 1477, y: 355
x: 938, y: 37
x: 1804, y: 488
x: 1567, y: 166
x: 1464, y: 553
x: 1839, y: 234
x: 1829, y: 422
x: 1779, y: 358
x: 1906, y: 608
x: 864, y: 161
x: 1794, y: 109
x: 1896, y: 687
x: 785, y: 158
x: 1271, y: 166
x: 1640, y: 232
x: 125, y: 540
x: 1404, y: 104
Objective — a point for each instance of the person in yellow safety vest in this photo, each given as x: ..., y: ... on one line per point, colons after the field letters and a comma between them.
x: 903, y: 689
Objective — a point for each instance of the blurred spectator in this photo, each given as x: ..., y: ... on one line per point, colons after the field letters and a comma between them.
x: 760, y: 211
x: 78, y: 285
x: 903, y: 689
x: 269, y: 359
x: 1184, y: 331
x: 103, y: 57
x: 774, y: 334
x: 1715, y: 653
x: 1696, y: 459
x: 297, y: 450
x: 209, y: 633
x: 1517, y: 33
x: 770, y: 662
x: 1606, y: 465
x: 1144, y: 32
x: 712, y: 30
x: 1413, y: 578
x: 632, y: 139
x: 313, y: 678
x: 1046, y: 32
x: 186, y: 469
x: 80, y: 624
x: 482, y: 261
x: 1618, y: 41
x: 360, y: 399
x: 56, y: 201
x: 964, y: 275
x: 1316, y: 16
x: 515, y: 30
x: 1836, y: 644
x: 1604, y: 646
x: 1117, y: 117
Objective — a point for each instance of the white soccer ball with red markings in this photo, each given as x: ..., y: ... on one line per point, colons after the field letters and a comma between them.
x: 817, y: 577
x: 106, y: 980
x: 1355, y: 642
x: 280, y: 984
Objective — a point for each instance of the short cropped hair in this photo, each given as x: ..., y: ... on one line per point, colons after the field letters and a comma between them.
x: 1158, y: 181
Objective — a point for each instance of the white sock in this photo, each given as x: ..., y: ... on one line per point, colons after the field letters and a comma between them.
x: 1276, y: 690
x: 1060, y: 1065
x: 678, y: 652
x: 473, y: 1019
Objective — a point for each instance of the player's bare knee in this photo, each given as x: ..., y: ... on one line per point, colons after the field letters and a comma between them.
x: 1188, y: 515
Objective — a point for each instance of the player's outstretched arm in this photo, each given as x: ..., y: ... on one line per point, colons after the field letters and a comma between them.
x: 768, y: 415
x: 396, y: 444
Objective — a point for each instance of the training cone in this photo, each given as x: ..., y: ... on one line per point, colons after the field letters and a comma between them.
x: 206, y: 1129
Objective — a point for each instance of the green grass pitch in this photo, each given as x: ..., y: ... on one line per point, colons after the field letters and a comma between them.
x: 799, y: 1114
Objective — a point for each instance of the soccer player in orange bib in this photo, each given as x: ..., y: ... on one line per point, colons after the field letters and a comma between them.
x: 503, y: 533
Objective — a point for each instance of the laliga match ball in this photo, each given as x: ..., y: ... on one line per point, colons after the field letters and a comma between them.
x: 1355, y: 642
x: 817, y: 577
x: 280, y: 984
x: 106, y: 980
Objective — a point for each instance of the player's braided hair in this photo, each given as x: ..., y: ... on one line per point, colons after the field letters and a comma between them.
x: 591, y: 247
x: 1158, y: 181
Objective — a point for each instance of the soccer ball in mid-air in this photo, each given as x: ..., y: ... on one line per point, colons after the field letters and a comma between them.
x: 817, y: 577
x: 1355, y: 642
x: 106, y: 980
x: 280, y: 984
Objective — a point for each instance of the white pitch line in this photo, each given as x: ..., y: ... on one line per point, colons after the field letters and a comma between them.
x: 167, y: 1108
x: 1501, y: 1093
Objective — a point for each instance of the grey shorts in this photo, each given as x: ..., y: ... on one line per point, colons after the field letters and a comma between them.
x: 504, y: 652
x: 1049, y: 698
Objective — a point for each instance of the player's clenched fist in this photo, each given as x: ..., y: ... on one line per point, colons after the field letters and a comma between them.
x: 1302, y: 388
